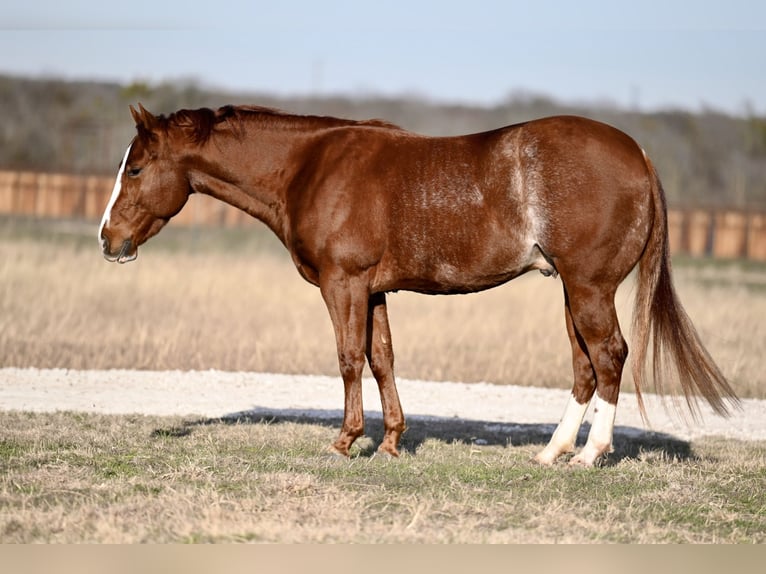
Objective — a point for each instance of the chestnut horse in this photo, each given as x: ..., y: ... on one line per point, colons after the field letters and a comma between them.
x: 366, y: 208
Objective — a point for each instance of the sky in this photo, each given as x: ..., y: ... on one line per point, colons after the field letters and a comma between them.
x: 640, y: 54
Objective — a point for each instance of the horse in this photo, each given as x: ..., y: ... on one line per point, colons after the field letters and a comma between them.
x: 366, y: 208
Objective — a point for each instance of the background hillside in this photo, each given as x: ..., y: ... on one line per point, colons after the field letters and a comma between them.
x: 48, y: 125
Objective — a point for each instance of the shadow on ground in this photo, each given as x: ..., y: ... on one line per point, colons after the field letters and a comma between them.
x: 629, y: 442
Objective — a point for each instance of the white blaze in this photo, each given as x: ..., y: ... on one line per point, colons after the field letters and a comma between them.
x: 115, y: 195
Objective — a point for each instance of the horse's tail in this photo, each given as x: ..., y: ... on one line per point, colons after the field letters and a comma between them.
x: 658, y: 314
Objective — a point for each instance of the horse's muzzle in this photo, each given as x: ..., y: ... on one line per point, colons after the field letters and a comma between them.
x: 127, y: 252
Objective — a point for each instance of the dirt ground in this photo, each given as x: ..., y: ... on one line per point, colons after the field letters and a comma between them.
x: 504, y: 409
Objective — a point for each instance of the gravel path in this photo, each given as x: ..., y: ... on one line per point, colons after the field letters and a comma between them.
x: 218, y: 394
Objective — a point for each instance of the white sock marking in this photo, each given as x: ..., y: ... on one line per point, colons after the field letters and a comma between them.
x: 115, y: 195
x: 566, y: 432
x: 600, y: 436
x: 603, y: 423
x: 565, y: 435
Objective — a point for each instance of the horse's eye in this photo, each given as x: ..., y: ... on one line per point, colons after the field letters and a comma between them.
x: 134, y: 171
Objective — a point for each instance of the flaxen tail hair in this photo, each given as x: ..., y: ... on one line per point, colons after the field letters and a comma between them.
x: 677, y: 351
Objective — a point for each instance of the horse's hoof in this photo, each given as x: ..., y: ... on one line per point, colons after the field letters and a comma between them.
x: 580, y: 462
x: 543, y: 459
x: 386, y: 454
x: 334, y: 452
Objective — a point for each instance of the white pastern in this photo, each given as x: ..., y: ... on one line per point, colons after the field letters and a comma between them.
x: 115, y: 195
x: 600, y: 436
x: 565, y: 436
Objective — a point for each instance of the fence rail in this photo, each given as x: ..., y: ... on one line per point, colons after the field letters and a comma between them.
x: 721, y: 233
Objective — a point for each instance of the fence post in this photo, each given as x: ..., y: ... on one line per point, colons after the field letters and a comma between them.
x: 730, y: 235
x: 675, y: 231
x: 756, y: 237
x: 7, y: 184
x: 699, y: 233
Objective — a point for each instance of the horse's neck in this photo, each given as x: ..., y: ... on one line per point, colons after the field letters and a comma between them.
x: 251, y: 175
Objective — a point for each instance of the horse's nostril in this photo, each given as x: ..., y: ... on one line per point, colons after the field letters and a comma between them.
x: 126, y: 246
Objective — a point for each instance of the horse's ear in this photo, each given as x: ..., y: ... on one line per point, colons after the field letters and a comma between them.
x: 146, y: 123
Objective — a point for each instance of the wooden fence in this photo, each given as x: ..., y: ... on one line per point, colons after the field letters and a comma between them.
x: 726, y: 234
x: 49, y: 195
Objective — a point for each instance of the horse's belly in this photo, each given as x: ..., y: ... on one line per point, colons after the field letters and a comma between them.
x: 457, y: 247
x: 434, y: 273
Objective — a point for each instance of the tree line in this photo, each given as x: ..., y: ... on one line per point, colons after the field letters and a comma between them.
x: 704, y: 159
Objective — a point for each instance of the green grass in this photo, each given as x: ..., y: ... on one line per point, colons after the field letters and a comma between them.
x: 89, y: 478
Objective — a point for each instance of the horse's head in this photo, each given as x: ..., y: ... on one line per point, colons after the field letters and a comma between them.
x: 151, y: 188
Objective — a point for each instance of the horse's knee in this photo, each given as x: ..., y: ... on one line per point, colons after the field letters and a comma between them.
x: 381, y: 366
x: 351, y: 364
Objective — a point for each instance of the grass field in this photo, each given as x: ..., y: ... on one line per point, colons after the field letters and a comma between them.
x: 89, y: 478
x: 200, y: 299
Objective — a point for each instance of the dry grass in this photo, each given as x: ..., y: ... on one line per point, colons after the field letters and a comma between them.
x: 233, y: 301
x: 87, y: 478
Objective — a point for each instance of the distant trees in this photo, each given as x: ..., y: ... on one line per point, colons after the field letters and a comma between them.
x: 83, y: 127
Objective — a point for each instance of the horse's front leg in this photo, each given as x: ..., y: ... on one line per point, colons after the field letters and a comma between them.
x: 347, y: 300
x: 380, y: 355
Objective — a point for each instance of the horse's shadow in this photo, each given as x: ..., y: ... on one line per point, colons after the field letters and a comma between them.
x: 629, y: 442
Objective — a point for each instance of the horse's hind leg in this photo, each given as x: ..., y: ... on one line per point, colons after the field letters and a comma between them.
x: 595, y: 318
x: 597, y: 331
x: 565, y: 436
x: 381, y: 358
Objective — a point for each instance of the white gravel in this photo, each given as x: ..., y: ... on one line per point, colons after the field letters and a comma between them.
x: 218, y: 394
